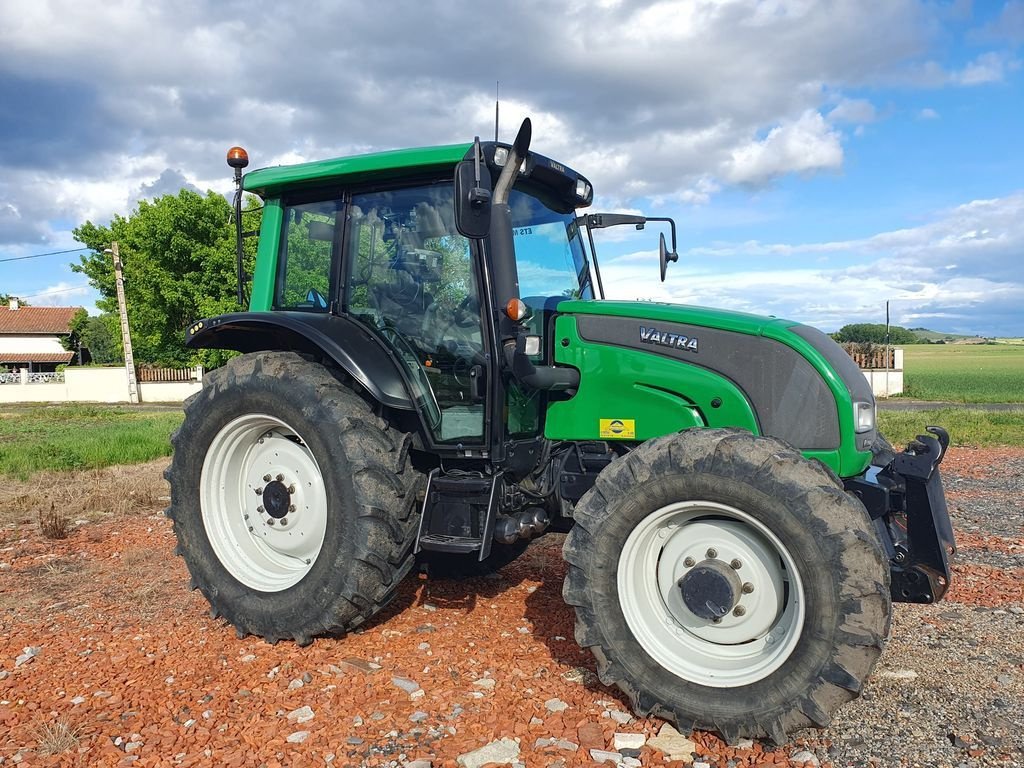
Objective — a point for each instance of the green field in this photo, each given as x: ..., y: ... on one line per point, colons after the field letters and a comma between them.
x: 964, y: 373
x: 966, y: 426
x: 36, y: 438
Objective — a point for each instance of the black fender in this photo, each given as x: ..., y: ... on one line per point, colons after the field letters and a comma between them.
x: 348, y: 344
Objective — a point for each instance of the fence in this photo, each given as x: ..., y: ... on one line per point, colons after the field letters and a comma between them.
x: 871, y: 358
x: 148, y: 373
x: 883, y: 368
x: 24, y: 377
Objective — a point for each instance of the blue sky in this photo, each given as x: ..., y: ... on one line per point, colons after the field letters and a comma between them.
x: 820, y: 157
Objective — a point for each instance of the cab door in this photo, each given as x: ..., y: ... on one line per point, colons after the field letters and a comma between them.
x: 410, y: 279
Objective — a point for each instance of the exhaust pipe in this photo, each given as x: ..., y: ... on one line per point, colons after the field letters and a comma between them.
x: 523, y: 525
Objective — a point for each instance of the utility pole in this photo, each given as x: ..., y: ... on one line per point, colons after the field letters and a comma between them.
x: 887, y: 366
x: 126, y: 336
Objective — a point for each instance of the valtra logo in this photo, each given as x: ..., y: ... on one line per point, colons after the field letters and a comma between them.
x: 666, y: 339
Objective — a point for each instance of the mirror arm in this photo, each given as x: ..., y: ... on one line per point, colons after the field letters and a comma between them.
x: 672, y: 225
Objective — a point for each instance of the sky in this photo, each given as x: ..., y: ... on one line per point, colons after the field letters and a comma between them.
x: 820, y: 158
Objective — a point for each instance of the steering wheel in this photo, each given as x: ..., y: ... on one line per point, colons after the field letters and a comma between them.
x: 467, y: 314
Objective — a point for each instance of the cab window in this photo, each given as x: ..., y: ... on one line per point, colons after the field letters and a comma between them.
x: 304, y: 261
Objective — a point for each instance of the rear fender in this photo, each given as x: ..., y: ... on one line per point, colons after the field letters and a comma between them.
x: 345, y: 342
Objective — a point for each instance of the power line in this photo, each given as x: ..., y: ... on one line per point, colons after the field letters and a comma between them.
x: 50, y: 253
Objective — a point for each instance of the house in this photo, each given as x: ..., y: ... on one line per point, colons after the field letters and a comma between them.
x: 30, y: 336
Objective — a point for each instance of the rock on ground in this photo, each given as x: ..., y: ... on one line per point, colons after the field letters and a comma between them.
x: 502, y: 752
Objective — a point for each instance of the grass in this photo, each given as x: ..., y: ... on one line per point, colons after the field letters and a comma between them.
x: 57, y: 736
x: 62, y: 438
x: 965, y: 373
x: 966, y: 426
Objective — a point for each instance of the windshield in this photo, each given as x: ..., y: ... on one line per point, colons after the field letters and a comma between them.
x: 550, y: 255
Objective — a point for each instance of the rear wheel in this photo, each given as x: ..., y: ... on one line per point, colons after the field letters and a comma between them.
x: 726, y: 583
x: 292, y: 503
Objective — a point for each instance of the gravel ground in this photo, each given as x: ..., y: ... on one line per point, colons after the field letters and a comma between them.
x: 121, y: 666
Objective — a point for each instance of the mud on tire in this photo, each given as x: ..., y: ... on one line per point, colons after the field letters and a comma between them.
x: 336, y: 476
x: 680, y: 499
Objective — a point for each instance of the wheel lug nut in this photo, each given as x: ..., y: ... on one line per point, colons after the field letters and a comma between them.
x: 271, y: 521
x: 259, y: 491
x: 245, y: 517
x: 736, y: 564
x: 291, y: 507
x: 260, y: 509
x: 739, y: 610
x: 291, y: 489
x: 284, y: 521
x: 747, y: 588
x: 266, y: 478
x: 712, y: 554
x: 280, y: 478
x: 250, y: 529
x: 689, y: 562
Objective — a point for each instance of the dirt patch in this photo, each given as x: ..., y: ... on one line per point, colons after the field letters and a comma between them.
x: 131, y: 669
x: 90, y: 495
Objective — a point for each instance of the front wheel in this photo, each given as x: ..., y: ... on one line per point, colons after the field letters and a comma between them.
x: 726, y: 583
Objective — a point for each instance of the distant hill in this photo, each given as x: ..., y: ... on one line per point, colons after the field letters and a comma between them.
x: 950, y: 338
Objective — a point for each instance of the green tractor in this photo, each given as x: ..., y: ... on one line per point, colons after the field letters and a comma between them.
x: 430, y: 373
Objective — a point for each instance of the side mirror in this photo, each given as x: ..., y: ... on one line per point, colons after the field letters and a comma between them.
x: 473, y: 196
x: 665, y: 256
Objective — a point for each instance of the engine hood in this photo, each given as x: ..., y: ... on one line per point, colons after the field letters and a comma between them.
x: 804, y: 386
x: 738, y: 322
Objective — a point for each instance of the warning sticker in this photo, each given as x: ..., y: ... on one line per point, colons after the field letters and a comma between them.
x: 623, y: 429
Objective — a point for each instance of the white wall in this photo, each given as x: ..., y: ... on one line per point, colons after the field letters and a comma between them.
x: 96, y: 385
x: 37, y: 344
x: 167, y: 391
x: 885, y: 384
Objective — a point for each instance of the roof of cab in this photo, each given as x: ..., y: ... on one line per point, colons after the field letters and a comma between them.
x: 268, y: 181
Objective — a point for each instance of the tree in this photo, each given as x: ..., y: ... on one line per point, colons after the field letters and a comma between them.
x: 5, y: 297
x: 102, y: 337
x: 874, y: 333
x: 178, y: 253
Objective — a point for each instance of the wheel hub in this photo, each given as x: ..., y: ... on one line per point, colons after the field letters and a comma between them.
x: 710, y: 590
x: 263, y: 502
x: 276, y: 499
x: 711, y: 593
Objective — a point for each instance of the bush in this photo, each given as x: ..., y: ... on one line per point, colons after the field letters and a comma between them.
x: 54, y: 524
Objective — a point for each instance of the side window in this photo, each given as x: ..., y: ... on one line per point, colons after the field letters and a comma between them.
x: 304, y: 262
x: 411, y: 281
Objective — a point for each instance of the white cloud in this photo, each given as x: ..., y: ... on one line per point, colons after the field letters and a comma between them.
x: 966, y: 260
x: 988, y: 67
x: 858, y: 111
x: 805, y: 145
x: 928, y: 114
x: 62, y: 294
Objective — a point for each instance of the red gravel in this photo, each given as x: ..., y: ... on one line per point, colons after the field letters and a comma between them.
x: 110, y: 611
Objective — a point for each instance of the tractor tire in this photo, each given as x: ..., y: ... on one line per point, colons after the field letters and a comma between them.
x: 728, y: 584
x: 442, y: 565
x: 293, y: 504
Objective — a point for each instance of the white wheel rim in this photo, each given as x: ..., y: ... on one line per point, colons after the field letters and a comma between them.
x: 754, y: 638
x: 263, y: 548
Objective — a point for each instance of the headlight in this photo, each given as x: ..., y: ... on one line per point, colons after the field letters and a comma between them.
x: 863, y: 417
x: 500, y: 155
